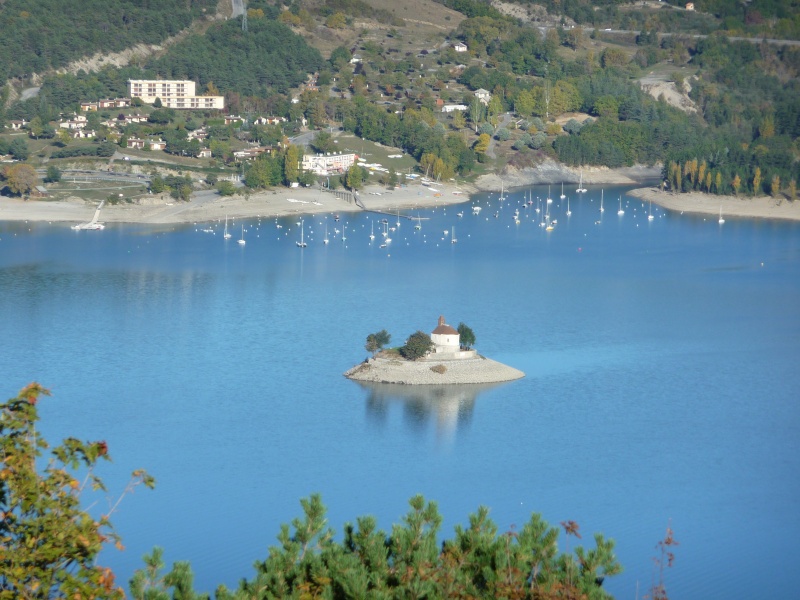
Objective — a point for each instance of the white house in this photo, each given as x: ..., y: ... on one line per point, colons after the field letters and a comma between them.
x: 447, y: 108
x: 460, y: 47
x: 483, y: 95
x: 445, y: 338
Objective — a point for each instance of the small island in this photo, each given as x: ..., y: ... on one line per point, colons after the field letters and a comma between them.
x: 445, y: 356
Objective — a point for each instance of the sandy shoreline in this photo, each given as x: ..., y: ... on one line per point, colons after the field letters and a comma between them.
x: 763, y: 207
x: 207, y: 206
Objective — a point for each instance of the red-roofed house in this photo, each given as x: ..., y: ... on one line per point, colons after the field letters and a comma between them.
x: 445, y: 338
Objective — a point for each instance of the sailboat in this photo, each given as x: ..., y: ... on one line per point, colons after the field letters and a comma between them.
x: 241, y: 241
x: 569, y: 212
x: 548, y: 225
x: 502, y: 192
x: 398, y: 219
x: 562, y: 191
x: 326, y: 240
x: 601, y: 201
x: 418, y: 226
x: 581, y: 189
x: 301, y: 243
x: 721, y: 220
x: 650, y: 216
x: 620, y: 211
x: 453, y: 239
x: 372, y: 231
x: 549, y: 199
x: 227, y: 234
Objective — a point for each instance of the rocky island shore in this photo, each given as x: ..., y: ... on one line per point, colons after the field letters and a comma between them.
x: 431, y: 371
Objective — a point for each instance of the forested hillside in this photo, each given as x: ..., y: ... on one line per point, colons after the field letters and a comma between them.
x: 268, y: 57
x: 42, y: 34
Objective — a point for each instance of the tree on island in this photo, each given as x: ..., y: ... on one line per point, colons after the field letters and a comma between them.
x: 50, y: 545
x: 466, y: 335
x: 376, y: 341
x: 417, y: 345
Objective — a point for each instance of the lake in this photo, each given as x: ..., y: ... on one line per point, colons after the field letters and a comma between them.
x: 661, y: 360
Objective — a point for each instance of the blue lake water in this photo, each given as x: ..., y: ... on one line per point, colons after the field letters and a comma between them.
x: 661, y: 358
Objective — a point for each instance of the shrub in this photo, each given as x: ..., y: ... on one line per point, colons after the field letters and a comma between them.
x: 440, y: 369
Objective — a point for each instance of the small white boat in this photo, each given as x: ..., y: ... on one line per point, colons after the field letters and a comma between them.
x: 301, y: 243
x: 453, y: 238
x: 569, y: 212
x: 581, y: 189
x: 372, y: 231
x: 601, y: 201
x: 502, y: 192
x: 476, y: 210
x: 549, y: 199
x: 241, y: 241
x: 620, y: 211
x: 227, y: 233
x: 562, y: 191
x: 721, y: 220
x: 650, y: 216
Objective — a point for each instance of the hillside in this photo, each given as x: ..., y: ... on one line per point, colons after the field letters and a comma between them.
x: 33, y: 41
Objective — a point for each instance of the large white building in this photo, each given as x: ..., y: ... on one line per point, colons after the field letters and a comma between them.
x: 173, y: 94
x: 325, y: 164
x: 445, y: 338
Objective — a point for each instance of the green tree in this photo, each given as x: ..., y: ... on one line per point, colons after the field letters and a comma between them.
x: 417, y: 345
x: 63, y: 137
x: 50, y: 545
x: 36, y: 127
x: 482, y: 145
x: 323, y: 142
x: 53, y: 174
x: 354, y: 178
x: 377, y: 341
x: 225, y: 188
x: 18, y: 149
x: 466, y: 335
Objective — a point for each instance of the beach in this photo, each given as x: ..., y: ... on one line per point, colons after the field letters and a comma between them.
x: 762, y: 207
x: 209, y: 206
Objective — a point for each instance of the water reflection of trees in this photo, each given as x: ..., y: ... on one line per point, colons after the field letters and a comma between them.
x: 449, y: 407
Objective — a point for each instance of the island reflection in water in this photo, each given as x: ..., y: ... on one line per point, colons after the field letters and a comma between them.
x: 449, y: 407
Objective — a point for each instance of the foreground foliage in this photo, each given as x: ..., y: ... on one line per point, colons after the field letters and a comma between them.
x: 48, y: 544
x: 410, y: 562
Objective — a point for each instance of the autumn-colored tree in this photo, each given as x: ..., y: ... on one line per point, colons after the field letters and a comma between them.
x: 718, y: 183
x: 336, y: 21
x: 757, y: 182
x: 459, y: 122
x: 482, y: 145
x: 291, y: 164
x: 708, y: 182
x: 737, y: 182
x: 20, y: 178
x: 701, y: 173
x: 766, y: 129
x: 212, y: 90
x: 49, y: 545
x: 792, y: 189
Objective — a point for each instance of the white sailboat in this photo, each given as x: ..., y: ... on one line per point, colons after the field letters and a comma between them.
x: 581, y: 189
x: 476, y: 210
x: 601, y: 201
x: 620, y: 211
x: 502, y: 191
x: 548, y: 226
x: 453, y: 238
x: 301, y: 243
x: 372, y: 231
x: 569, y: 212
x: 562, y: 191
x: 326, y: 240
x: 397, y: 223
x: 549, y: 199
x: 721, y: 220
x: 227, y: 233
x: 241, y: 241
x: 650, y: 216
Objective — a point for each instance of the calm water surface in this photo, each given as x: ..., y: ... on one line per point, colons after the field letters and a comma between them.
x: 661, y: 359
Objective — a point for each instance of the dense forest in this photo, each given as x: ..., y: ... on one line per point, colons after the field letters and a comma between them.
x: 267, y: 58
x: 46, y: 34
